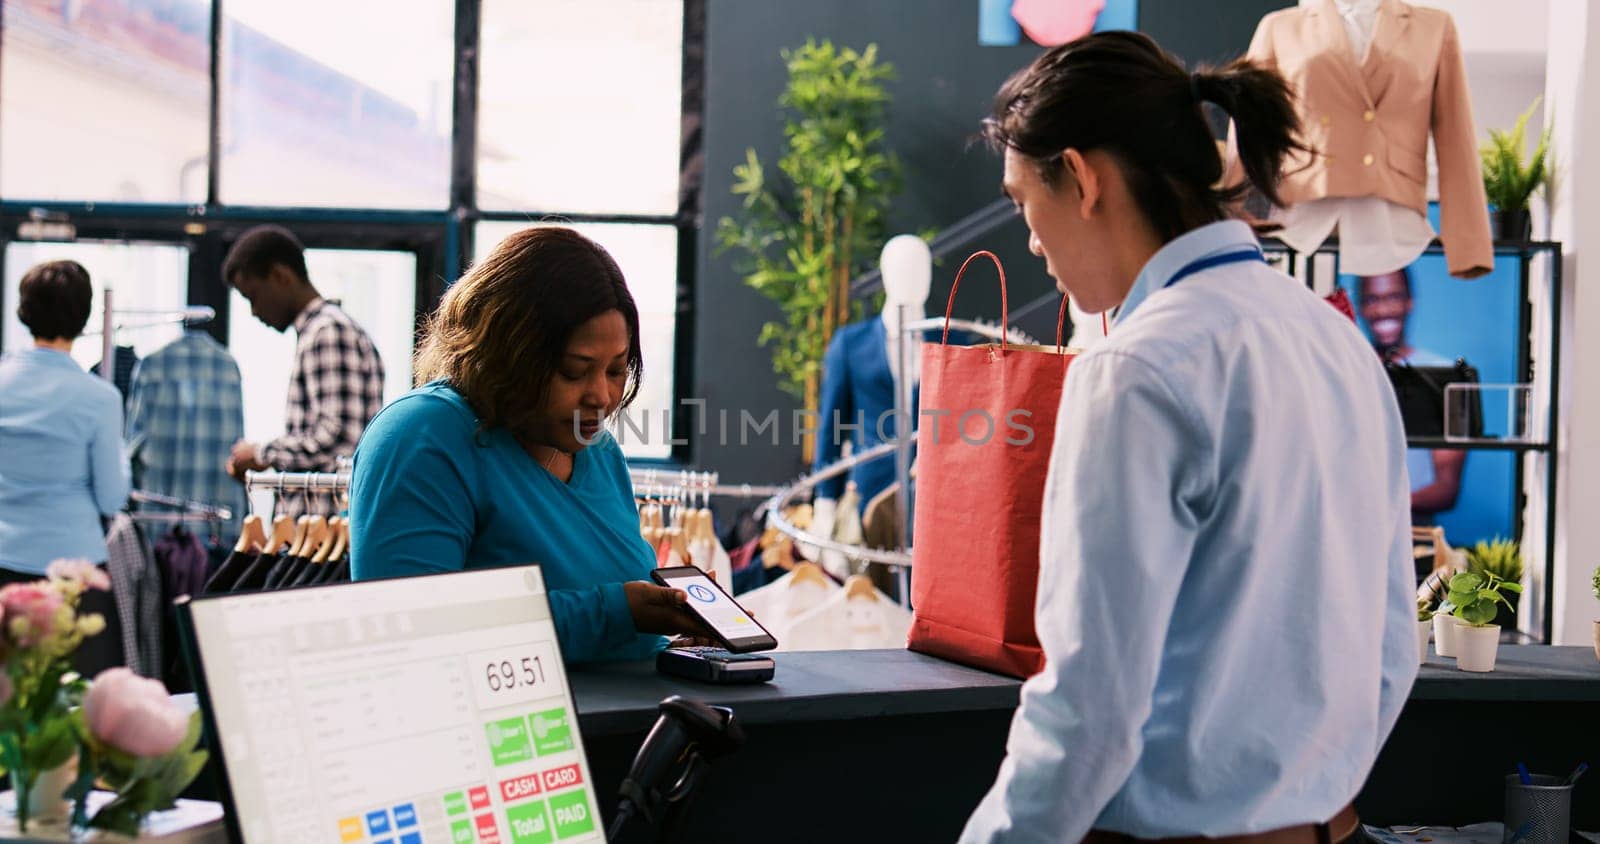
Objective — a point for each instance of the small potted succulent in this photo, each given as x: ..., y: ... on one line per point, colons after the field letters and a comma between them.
x: 1503, y: 559
x: 1476, y: 598
x: 1425, y: 614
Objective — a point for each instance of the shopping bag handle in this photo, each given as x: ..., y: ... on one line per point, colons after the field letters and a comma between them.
x: 1005, y: 312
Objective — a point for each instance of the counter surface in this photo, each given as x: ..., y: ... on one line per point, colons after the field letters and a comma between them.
x: 842, y: 685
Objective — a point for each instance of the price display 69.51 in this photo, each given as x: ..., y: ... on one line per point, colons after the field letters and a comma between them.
x: 515, y: 674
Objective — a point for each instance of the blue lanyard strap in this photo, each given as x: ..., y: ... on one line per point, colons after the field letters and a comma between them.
x: 1236, y: 257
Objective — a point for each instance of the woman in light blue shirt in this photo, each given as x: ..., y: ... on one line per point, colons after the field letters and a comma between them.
x: 501, y: 457
x: 61, y: 460
x: 1225, y: 588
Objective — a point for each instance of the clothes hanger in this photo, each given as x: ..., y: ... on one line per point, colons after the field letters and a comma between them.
x: 329, y: 539
x: 860, y: 586
x: 252, y: 535
x: 808, y: 572
x: 283, y: 529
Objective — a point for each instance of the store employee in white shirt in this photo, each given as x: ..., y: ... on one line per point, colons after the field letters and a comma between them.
x: 1225, y: 593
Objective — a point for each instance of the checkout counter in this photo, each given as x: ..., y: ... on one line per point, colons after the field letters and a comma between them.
x: 896, y: 746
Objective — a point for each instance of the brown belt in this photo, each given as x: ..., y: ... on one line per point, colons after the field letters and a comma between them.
x: 1340, y: 827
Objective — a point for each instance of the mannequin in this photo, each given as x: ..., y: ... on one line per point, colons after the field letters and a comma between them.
x: 1375, y: 79
x: 861, y: 375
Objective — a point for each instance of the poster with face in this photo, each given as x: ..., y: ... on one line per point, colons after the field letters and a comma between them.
x: 1422, y: 316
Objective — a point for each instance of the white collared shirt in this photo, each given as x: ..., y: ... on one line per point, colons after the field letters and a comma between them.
x: 1225, y: 586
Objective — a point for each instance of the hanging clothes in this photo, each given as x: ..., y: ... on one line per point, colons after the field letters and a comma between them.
x: 185, y: 412
x: 123, y: 361
x: 857, y: 617
x: 136, y: 591
x: 789, y: 597
x: 227, y: 574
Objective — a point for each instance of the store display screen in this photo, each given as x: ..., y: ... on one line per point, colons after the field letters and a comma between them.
x: 426, y: 709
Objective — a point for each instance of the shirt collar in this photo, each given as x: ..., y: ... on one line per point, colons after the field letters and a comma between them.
x: 1197, y: 244
x: 51, y: 357
x: 309, y: 311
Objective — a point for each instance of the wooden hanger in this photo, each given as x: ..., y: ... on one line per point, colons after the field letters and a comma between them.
x: 341, y: 544
x: 283, y: 529
x: 301, y: 525
x: 860, y: 586
x: 808, y: 573
x: 679, y: 543
x: 329, y: 539
x: 316, y: 531
x: 252, y: 536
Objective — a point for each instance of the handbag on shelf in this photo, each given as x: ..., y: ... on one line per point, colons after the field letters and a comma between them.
x: 1421, y: 394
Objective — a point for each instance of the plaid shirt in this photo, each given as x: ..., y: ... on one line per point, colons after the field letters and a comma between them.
x: 335, y: 390
x: 184, y: 415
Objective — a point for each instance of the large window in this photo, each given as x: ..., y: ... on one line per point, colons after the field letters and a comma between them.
x: 341, y: 104
x: 354, y: 124
x: 143, y: 277
x: 104, y: 101
x: 580, y: 106
x: 647, y: 255
x: 377, y: 290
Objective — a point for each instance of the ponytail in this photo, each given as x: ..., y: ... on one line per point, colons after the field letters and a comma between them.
x: 1264, y: 119
x: 1120, y: 92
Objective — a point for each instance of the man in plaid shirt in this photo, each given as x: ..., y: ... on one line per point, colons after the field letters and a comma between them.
x: 184, y: 415
x: 337, y: 383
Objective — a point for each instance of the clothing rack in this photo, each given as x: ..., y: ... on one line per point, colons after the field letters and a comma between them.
x: 696, y: 483
x: 192, y: 510
x: 193, y: 315
x: 297, y: 481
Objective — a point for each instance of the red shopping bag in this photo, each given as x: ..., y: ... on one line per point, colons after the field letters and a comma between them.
x: 975, y: 548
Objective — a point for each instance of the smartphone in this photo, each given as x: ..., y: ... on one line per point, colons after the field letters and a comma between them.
x: 728, y: 621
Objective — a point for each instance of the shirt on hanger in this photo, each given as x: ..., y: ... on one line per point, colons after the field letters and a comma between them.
x: 185, y: 412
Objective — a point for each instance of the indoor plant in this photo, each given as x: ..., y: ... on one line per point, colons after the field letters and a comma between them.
x: 1509, y: 182
x: 806, y: 234
x: 1476, y: 597
x: 1503, y: 559
x: 39, y: 629
x: 1425, y: 613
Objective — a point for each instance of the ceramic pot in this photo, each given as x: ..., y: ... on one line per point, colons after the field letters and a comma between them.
x: 1444, y: 634
x: 1476, y: 647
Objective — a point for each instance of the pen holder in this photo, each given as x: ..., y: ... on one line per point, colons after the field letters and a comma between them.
x: 1546, y: 802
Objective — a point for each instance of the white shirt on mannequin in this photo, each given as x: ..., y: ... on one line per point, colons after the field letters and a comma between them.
x: 1376, y: 236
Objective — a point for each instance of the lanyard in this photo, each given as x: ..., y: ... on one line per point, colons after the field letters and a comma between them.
x: 1240, y: 256
x: 1189, y: 269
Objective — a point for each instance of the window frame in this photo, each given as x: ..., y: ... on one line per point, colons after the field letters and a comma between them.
x: 442, y: 239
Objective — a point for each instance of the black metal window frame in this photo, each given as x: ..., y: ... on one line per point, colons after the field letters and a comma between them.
x: 442, y: 239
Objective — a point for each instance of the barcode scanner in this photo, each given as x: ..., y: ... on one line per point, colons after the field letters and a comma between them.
x: 670, y: 763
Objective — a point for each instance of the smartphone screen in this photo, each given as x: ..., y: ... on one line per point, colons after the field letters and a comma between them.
x: 738, y: 631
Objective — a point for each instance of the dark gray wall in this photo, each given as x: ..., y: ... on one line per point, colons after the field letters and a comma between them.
x: 946, y: 81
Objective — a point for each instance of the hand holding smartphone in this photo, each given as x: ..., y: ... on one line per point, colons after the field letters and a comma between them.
x: 727, y: 621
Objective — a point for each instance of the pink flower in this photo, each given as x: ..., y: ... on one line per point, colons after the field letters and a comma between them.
x: 133, y: 714
x: 31, y: 610
x: 83, y: 571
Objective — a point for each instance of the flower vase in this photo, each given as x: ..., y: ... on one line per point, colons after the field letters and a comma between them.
x: 45, y: 801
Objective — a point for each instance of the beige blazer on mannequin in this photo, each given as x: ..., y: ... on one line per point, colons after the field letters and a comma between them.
x: 1369, y: 120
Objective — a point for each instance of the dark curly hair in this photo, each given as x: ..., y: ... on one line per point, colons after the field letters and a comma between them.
x: 501, y: 331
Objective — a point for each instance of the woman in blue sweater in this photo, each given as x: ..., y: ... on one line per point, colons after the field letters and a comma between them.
x: 501, y: 458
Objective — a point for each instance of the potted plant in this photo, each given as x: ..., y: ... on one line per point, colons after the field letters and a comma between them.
x: 1509, y: 182
x: 1476, y: 598
x: 1444, y: 630
x: 821, y: 220
x: 1503, y: 559
x: 1425, y: 614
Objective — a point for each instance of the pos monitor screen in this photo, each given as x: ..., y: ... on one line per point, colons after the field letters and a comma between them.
x: 426, y: 709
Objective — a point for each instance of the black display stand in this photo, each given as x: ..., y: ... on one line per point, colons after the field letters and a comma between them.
x: 1524, y: 252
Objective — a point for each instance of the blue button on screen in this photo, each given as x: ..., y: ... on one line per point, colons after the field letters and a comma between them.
x: 405, y: 815
x: 377, y: 822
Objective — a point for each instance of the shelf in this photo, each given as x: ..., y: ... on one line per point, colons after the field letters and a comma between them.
x: 1272, y: 245
x: 1474, y: 445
